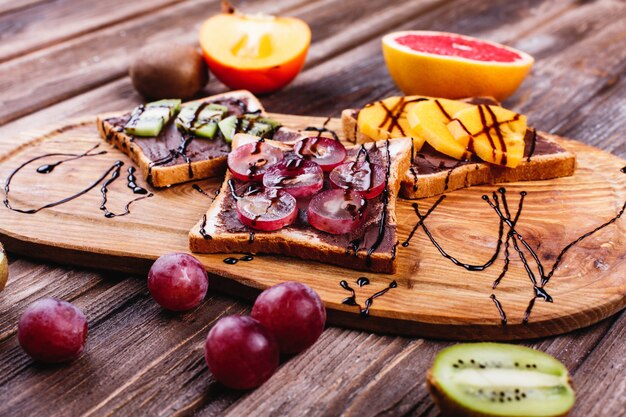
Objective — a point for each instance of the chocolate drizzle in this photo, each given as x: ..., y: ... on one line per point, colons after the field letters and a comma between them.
x: 532, y: 145
x: 132, y: 182
x: 115, y: 173
x: 233, y: 261
x: 113, y: 170
x: 451, y: 258
x: 393, y: 115
x: 500, y: 309
x: 362, y: 281
x: 498, y: 202
x: 421, y: 219
x: 48, y: 168
x: 322, y: 129
x: 383, y: 214
x: 203, y: 232
x: 201, y: 191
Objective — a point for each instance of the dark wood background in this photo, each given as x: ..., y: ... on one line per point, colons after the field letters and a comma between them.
x: 64, y: 58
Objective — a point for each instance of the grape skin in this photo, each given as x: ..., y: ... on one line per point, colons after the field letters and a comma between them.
x: 240, y: 352
x: 293, y: 312
x: 178, y: 282
x: 52, y: 330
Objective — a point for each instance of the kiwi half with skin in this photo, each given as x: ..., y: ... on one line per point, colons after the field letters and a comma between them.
x: 495, y: 379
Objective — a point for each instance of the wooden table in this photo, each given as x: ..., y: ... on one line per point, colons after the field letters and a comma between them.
x: 65, y: 58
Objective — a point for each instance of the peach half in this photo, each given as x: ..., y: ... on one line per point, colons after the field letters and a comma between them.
x: 259, y: 53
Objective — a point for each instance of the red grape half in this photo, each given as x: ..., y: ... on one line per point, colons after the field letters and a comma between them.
x: 297, y: 176
x: 337, y: 211
x: 362, y: 176
x: 267, y: 209
x: 326, y: 152
x: 250, y: 161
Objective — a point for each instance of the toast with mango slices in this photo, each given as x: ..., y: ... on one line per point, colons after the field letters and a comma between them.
x: 172, y: 157
x: 538, y: 156
x: 370, y: 247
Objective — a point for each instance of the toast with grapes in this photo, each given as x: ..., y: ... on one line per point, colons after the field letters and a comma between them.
x: 314, y: 200
x: 459, y: 143
x: 173, y: 142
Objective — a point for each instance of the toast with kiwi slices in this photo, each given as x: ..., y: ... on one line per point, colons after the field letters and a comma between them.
x: 315, y: 200
x: 436, y: 166
x: 174, y: 143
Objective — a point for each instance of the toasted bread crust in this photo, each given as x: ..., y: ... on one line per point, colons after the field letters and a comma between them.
x: 298, y: 243
x: 160, y: 176
x: 540, y: 167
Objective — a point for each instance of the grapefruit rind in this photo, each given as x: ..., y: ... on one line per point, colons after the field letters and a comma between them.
x: 453, y: 77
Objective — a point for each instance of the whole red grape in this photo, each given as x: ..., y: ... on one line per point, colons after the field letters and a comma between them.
x: 240, y: 352
x: 293, y: 312
x: 178, y: 282
x: 52, y: 330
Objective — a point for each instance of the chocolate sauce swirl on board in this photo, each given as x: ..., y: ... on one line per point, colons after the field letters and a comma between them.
x: 443, y: 253
x: 351, y: 300
x: 421, y: 220
x: 203, y: 231
x: 115, y: 173
x: 501, y: 208
x: 132, y: 184
x: 48, y: 168
x: 113, y: 170
x: 322, y: 129
x: 233, y: 261
x: 201, y: 191
x: 500, y: 309
x: 362, y: 281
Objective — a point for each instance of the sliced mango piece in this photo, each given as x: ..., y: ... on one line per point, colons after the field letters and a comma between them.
x: 495, y: 134
x: 429, y: 120
x: 387, y: 119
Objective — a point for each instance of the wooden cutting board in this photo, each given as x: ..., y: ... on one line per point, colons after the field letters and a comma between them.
x: 432, y: 298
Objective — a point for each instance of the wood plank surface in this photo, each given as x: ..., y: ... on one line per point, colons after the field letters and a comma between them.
x: 338, y: 375
x: 61, y: 20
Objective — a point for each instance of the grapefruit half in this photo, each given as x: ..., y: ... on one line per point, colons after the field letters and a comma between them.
x: 453, y: 66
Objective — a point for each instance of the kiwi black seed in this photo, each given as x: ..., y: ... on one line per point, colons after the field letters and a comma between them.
x: 494, y: 379
x: 168, y: 71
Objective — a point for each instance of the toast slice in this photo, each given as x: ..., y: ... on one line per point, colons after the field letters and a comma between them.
x: 432, y: 173
x: 160, y: 158
x: 372, y: 247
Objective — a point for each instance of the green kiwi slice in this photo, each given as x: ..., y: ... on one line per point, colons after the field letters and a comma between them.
x: 248, y: 123
x: 148, y: 119
x: 495, y: 379
x: 204, y: 123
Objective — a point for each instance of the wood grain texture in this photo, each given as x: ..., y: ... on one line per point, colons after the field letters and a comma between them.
x: 315, y: 382
x: 89, y: 61
x: 433, y: 298
x: 62, y: 20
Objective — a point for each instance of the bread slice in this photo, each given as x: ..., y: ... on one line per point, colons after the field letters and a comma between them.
x: 432, y: 173
x: 203, y: 158
x: 219, y: 230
